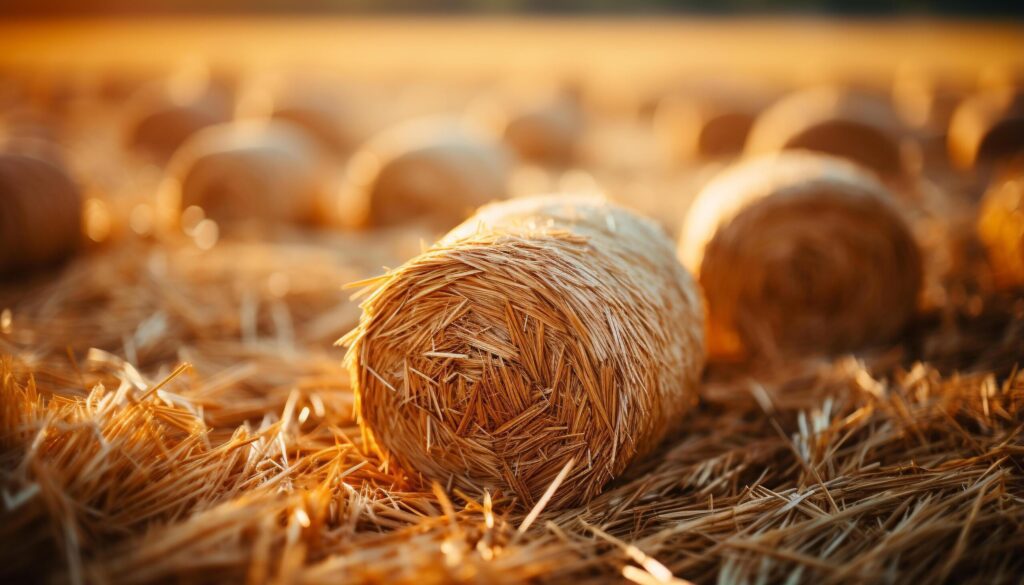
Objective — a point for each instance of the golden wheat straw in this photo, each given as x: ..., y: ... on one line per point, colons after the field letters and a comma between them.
x: 539, y: 331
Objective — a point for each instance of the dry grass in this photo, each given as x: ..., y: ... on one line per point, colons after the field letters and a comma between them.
x: 248, y: 465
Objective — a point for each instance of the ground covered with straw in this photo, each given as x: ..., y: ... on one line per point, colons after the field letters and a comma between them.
x: 169, y: 414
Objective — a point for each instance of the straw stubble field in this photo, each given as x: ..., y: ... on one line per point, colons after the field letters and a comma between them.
x: 174, y: 409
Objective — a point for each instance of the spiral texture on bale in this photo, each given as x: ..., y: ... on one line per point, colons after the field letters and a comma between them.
x: 263, y: 171
x: 1001, y: 226
x: 833, y: 121
x: 540, y: 330
x: 800, y: 252
x: 986, y: 127
x: 40, y: 213
x: 431, y: 171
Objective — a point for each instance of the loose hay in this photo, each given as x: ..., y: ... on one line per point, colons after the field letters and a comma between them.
x: 249, y: 466
x: 800, y: 252
x: 530, y: 340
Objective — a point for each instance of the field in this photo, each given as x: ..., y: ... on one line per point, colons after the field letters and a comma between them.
x: 173, y: 407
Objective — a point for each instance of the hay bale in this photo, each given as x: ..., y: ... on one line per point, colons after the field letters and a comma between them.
x: 40, y: 213
x: 1001, y: 226
x: 833, y: 121
x: 246, y: 171
x: 323, y: 117
x: 800, y: 252
x: 161, y: 117
x: 434, y: 171
x: 709, y: 120
x: 547, y: 132
x: 987, y: 127
x: 926, y: 99
x: 540, y: 330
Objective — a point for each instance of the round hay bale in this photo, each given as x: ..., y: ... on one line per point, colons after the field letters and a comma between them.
x: 540, y: 330
x: 547, y: 133
x: 431, y: 171
x: 800, y: 252
x: 40, y: 213
x: 709, y: 120
x: 848, y: 125
x: 925, y: 99
x: 987, y: 127
x: 323, y: 117
x: 1001, y: 226
x: 247, y: 171
x: 161, y: 118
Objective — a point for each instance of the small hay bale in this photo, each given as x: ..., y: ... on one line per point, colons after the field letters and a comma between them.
x: 263, y: 171
x: 323, y: 117
x: 547, y: 133
x: 40, y: 213
x: 160, y: 118
x: 1001, y: 226
x: 541, y: 330
x: 709, y: 120
x: 833, y: 121
x: 800, y: 252
x: 926, y: 99
x: 987, y: 127
x: 434, y: 171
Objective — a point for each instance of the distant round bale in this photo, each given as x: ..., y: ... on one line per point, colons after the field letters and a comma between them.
x: 800, y: 252
x: 540, y: 331
x: 40, y: 213
x: 709, y: 120
x: 830, y: 120
x: 1001, y: 226
x: 433, y: 171
x: 265, y: 171
x: 987, y: 127
x: 323, y: 116
x: 547, y: 132
x: 160, y: 118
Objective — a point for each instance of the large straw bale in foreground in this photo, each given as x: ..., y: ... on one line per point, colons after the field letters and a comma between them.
x: 800, y: 252
x: 540, y: 331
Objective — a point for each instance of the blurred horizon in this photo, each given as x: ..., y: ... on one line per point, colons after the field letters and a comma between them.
x: 867, y: 8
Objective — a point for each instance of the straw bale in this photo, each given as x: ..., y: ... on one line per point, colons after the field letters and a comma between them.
x: 40, y: 212
x: 800, y: 252
x: 431, y: 170
x: 266, y: 171
x: 986, y: 127
x: 530, y: 338
x: 833, y: 121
